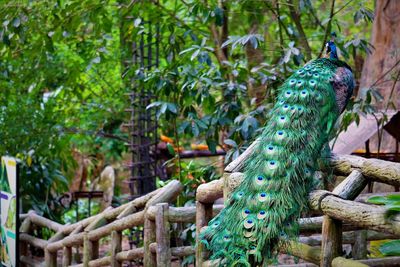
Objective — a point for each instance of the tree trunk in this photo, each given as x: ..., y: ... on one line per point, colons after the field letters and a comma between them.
x: 384, y: 62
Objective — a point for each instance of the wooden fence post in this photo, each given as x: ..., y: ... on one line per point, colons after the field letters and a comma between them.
x: 203, y: 216
x: 50, y: 258
x: 331, y: 246
x: 359, y: 250
x: 116, y: 247
x: 162, y: 236
x: 149, y: 259
x: 67, y: 256
x: 87, y: 250
x: 23, y: 246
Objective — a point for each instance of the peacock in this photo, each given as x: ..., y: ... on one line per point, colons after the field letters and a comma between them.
x: 261, y: 215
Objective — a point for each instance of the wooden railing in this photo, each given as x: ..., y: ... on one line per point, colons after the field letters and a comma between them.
x: 346, y: 218
x: 88, y: 232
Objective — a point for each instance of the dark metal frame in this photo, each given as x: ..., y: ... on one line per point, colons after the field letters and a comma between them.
x: 143, y: 123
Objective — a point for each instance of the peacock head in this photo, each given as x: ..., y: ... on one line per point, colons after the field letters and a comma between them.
x: 331, y: 47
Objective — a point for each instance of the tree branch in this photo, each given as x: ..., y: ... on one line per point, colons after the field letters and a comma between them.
x: 328, y: 28
x: 302, y: 38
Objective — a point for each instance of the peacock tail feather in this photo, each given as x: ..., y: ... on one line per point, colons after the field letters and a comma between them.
x: 261, y: 214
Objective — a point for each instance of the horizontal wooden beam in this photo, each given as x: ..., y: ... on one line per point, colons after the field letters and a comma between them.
x: 119, y: 225
x: 112, y: 213
x: 348, y: 238
x: 360, y: 214
x: 31, y: 262
x: 34, y: 241
x: 176, y: 251
x: 210, y: 192
x: 375, y: 169
x: 130, y: 255
x: 44, y: 222
x: 181, y: 214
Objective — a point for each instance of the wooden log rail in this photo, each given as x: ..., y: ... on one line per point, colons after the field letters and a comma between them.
x: 340, y: 211
x: 89, y: 231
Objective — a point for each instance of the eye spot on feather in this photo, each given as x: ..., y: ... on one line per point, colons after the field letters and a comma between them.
x: 312, y: 83
x: 285, y: 107
x: 239, y: 195
x: 309, y: 73
x: 281, y: 102
x: 288, y: 93
x: 261, y: 215
x: 280, y: 134
x: 245, y: 213
x: 308, y: 67
x: 260, y: 180
x: 270, y: 149
x: 262, y: 197
x: 282, y: 235
x: 304, y: 93
x: 292, y: 82
x: 227, y: 238
x: 272, y: 164
x: 215, y: 225
x: 249, y: 223
x: 252, y: 250
x: 299, y: 83
x: 300, y: 109
x: 316, y: 75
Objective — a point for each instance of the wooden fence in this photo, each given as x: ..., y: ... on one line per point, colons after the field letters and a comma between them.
x: 88, y: 232
x: 346, y: 219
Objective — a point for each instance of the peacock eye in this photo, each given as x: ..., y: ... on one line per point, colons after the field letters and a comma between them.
x: 292, y: 82
x: 261, y: 215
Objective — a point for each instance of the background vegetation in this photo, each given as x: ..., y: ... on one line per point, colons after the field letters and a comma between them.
x: 65, y: 68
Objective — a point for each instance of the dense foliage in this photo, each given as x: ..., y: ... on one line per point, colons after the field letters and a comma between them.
x: 220, y: 65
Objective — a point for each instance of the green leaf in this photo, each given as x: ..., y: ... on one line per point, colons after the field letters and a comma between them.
x: 393, y: 206
x: 219, y: 16
x: 212, y: 145
x: 378, y: 200
x: 171, y: 149
x: 395, y: 197
x: 230, y: 142
x: 195, y: 129
x: 391, y: 248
